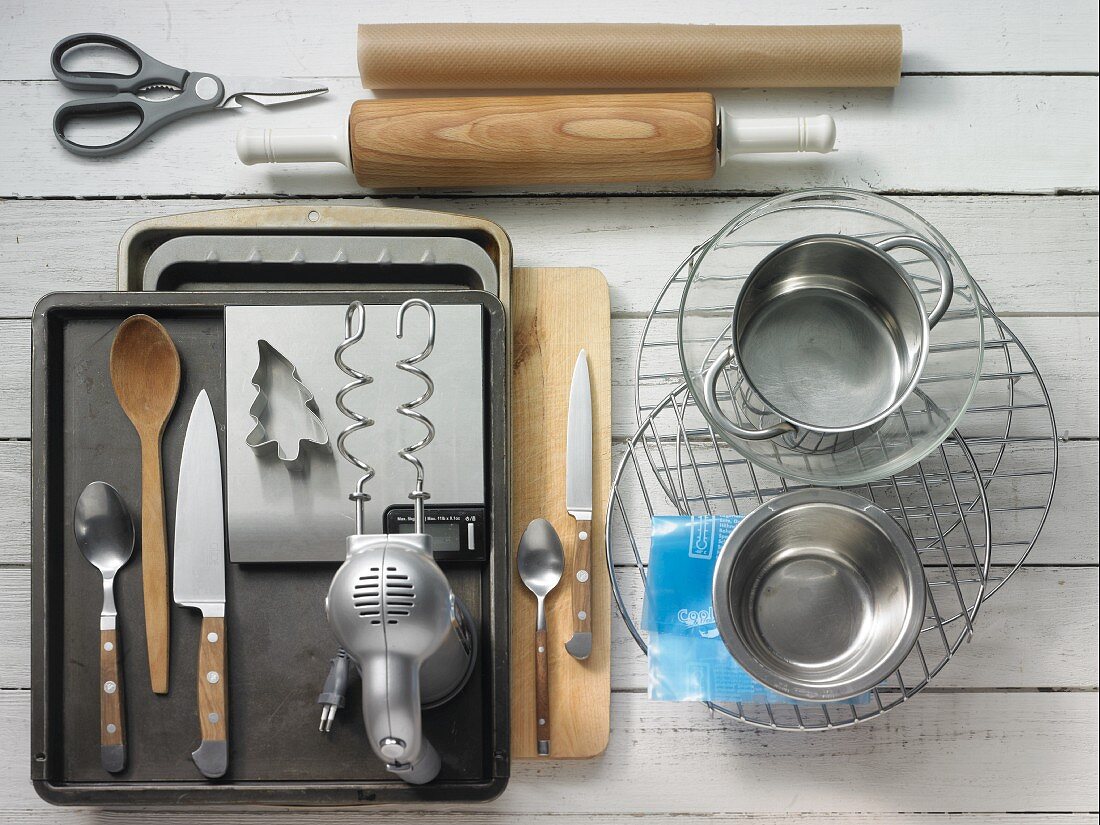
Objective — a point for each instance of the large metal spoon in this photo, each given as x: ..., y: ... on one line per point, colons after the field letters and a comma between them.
x: 105, y: 534
x: 145, y: 371
x: 541, y: 561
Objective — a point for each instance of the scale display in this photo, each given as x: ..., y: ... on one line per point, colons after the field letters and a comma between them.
x: 458, y: 533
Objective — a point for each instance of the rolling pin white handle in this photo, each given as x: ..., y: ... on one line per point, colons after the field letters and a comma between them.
x: 256, y: 145
x: 758, y: 135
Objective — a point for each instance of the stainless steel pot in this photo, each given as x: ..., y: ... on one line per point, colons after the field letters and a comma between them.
x: 829, y: 333
x: 819, y: 595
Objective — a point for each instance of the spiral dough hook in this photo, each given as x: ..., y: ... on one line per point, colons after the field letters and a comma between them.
x: 409, y: 409
x: 355, y: 320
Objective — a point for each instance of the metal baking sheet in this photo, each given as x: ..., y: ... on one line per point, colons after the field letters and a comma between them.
x: 143, y: 238
x: 263, y: 262
x: 279, y: 642
x: 277, y: 514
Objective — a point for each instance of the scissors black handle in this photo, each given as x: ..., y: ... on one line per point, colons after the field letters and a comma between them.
x: 149, y: 71
x: 199, y: 93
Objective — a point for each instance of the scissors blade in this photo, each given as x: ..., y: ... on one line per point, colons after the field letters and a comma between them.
x: 268, y: 91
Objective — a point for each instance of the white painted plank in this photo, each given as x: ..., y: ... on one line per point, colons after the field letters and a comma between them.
x: 1067, y: 351
x: 954, y: 752
x: 42, y: 815
x: 280, y: 37
x: 992, y: 134
x: 15, y: 378
x: 15, y: 628
x: 1069, y: 361
x: 1031, y: 254
x: 15, y: 502
x: 1038, y: 632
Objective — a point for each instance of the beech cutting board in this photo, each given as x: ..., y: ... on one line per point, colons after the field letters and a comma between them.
x: 555, y: 312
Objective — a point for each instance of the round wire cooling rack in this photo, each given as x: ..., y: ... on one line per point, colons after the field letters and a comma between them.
x: 674, y: 464
x: 975, y: 507
x: 1009, y: 425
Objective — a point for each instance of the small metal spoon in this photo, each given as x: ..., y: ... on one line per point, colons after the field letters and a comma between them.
x: 541, y: 561
x: 105, y: 534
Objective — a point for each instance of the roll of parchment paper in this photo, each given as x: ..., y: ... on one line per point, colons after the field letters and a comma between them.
x: 625, y: 56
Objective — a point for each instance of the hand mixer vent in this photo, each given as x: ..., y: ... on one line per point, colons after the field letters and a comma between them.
x: 377, y: 603
x: 400, y: 595
x: 367, y: 596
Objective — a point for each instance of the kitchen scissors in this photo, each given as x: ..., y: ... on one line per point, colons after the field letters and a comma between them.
x: 195, y: 92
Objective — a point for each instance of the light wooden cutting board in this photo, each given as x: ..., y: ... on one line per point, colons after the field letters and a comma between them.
x: 555, y: 312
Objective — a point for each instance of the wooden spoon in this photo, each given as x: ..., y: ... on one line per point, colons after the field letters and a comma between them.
x: 145, y: 372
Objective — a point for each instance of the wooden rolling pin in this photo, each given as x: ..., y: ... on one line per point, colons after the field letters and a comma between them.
x: 493, y: 141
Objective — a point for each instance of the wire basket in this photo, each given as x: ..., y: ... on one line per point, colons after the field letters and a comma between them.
x: 974, y: 507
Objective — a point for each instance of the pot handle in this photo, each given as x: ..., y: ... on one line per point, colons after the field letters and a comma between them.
x: 710, y: 398
x: 947, y: 282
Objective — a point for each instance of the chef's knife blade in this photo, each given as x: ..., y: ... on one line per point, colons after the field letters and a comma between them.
x: 198, y: 569
x: 578, y: 501
x: 198, y: 575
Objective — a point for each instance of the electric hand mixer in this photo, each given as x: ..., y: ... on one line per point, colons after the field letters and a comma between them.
x: 390, y: 605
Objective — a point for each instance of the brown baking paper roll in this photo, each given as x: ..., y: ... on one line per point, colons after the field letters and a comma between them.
x: 625, y: 55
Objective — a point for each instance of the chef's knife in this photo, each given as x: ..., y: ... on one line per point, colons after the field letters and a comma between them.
x: 578, y: 501
x: 198, y: 575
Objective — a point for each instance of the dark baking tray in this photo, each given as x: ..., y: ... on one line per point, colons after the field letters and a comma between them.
x: 279, y: 641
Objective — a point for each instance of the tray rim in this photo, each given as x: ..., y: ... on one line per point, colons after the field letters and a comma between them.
x: 140, y: 238
x: 476, y: 257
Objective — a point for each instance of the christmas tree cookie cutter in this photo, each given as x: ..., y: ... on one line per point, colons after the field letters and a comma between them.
x: 287, y: 421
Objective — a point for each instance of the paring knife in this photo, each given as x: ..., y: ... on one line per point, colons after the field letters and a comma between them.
x: 578, y: 501
x: 198, y: 574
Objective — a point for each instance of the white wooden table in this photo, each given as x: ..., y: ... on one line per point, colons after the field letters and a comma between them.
x: 992, y: 135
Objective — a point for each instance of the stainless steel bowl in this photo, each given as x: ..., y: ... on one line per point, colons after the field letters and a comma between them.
x: 718, y: 275
x: 819, y: 595
x: 830, y: 333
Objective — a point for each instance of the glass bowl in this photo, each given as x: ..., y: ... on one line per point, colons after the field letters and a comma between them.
x: 931, y: 411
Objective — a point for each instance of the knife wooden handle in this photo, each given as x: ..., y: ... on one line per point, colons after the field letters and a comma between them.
x: 212, y: 755
x: 112, y: 736
x: 484, y: 141
x: 542, y: 693
x: 154, y: 562
x: 581, y: 587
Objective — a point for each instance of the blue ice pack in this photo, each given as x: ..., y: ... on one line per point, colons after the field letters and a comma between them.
x: 688, y: 661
